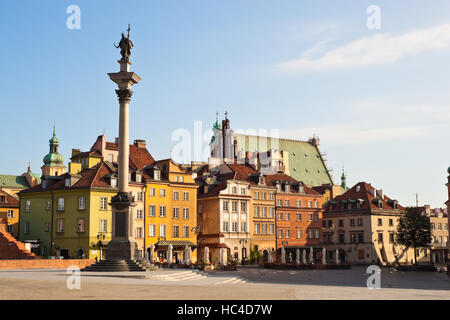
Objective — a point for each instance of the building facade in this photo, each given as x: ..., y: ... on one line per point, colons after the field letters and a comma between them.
x: 360, y: 225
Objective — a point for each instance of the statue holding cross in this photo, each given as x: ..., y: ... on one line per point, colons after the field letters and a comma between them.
x: 125, y: 46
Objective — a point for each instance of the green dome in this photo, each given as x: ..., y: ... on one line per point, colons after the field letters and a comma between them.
x: 53, y: 159
x: 54, y: 140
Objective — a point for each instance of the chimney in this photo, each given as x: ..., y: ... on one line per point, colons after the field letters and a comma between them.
x: 75, y: 152
x: 140, y: 143
x: 116, y: 140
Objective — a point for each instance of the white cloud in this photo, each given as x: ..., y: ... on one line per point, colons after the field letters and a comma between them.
x: 380, y: 119
x: 377, y: 49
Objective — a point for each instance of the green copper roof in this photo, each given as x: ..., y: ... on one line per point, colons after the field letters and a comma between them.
x: 10, y: 181
x: 305, y: 162
x: 53, y: 159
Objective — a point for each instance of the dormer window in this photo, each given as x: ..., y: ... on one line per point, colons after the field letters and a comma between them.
x: 157, y: 175
x: 44, y: 184
x: 129, y: 177
x: 261, y: 180
x: 113, y: 182
x: 287, y: 187
x: 67, y: 182
x: 138, y: 177
x: 395, y: 205
x: 278, y: 186
x: 380, y: 204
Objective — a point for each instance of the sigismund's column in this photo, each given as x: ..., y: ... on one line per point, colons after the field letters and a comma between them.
x: 122, y: 245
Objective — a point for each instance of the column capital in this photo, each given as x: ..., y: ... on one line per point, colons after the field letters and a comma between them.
x: 124, y: 95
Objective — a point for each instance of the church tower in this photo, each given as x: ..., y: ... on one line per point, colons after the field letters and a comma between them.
x: 53, y: 161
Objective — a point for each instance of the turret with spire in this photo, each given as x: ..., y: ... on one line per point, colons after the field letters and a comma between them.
x: 343, y: 180
x: 53, y: 161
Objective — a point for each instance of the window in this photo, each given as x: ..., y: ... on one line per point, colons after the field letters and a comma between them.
x: 152, y: 211
x: 341, y: 223
x: 316, y: 233
x: 176, y: 178
x: 310, y: 216
x: 181, y: 179
x: 103, y: 203
x: 81, y: 225
x: 299, y: 217
x: 185, y: 196
x: 299, y: 233
x: 287, y: 234
x: 140, y: 196
x: 152, y: 192
x: 185, y: 213
x: 256, y: 195
x: 176, y: 231
x: 256, y: 228
x: 286, y: 203
x: 324, y: 223
x: 176, y: 195
x: 3, y: 199
x: 47, y: 205
x: 271, y: 196
x: 111, y: 158
x: 330, y: 223
x: 60, y: 204
x: 162, y: 211
x: 280, y: 202
x: 103, y: 225
x: 157, y: 175
x: 391, y: 237
x: 10, y: 214
x: 352, y: 222
x: 176, y: 213
x: 151, y: 230
x: 316, y: 204
x: 139, y: 233
x: 234, y: 226
x: 244, y: 227
x: 256, y: 211
x: 243, y: 191
x: 67, y: 182
x: 243, y: 206
x: 310, y: 233
x: 139, y: 214
x: 81, y: 203
x: 46, y: 226
x: 391, y: 222
x: 185, y: 231
x: 439, y: 226
x: 234, y: 206
x: 309, y: 204
x: 162, y: 192
x: 286, y: 216
x: 298, y: 203
x: 225, y: 226
x: 316, y: 217
x: 360, y: 222
x: 353, y: 237
x: 60, y: 225
x: 341, y: 237
x: 162, y: 230
x: 280, y: 233
x: 271, y: 212
x: 280, y: 216
x: 271, y: 228
x: 225, y: 206
x: 264, y: 196
x: 380, y: 222
x: 234, y: 190
x: 360, y: 237
x: 264, y: 212
x: 380, y: 237
x: 10, y: 229
x: 27, y: 227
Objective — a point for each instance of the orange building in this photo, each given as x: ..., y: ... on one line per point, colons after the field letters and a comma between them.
x: 9, y: 209
x: 298, y: 217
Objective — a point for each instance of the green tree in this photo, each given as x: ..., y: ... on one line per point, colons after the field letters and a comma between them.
x: 414, y: 230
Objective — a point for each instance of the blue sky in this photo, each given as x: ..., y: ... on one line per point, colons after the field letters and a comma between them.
x: 378, y: 99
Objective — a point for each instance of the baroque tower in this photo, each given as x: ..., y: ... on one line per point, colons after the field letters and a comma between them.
x: 53, y: 161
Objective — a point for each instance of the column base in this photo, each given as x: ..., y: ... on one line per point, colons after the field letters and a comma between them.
x: 122, y: 250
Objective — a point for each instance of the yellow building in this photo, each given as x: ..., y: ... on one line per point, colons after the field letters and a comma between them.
x: 171, y: 210
x: 9, y: 209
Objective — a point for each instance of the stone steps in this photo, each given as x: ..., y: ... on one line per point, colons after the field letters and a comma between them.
x: 115, y: 266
